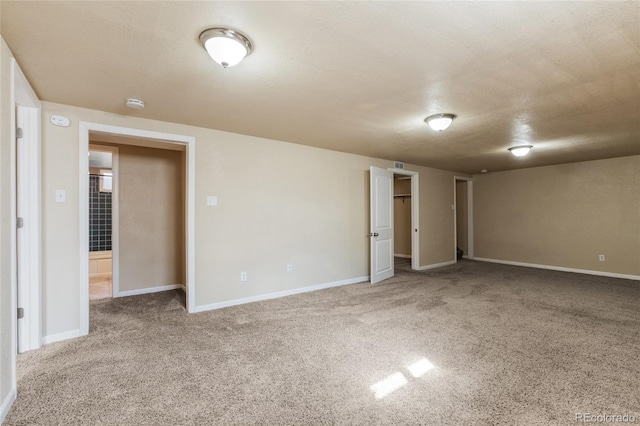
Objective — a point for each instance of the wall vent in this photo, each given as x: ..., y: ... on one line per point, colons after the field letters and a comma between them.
x: 398, y: 165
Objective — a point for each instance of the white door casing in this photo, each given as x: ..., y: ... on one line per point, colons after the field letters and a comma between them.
x: 83, y: 196
x: 381, y: 235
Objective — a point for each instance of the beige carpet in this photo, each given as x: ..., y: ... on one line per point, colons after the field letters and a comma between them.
x: 489, y: 344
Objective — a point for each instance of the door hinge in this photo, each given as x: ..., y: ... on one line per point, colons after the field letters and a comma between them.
x: 18, y: 133
x: 20, y: 223
x: 20, y: 313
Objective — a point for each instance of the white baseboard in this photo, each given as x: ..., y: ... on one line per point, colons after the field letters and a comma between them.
x: 278, y: 294
x: 148, y: 290
x: 436, y: 265
x: 6, y: 404
x: 404, y: 256
x: 560, y: 268
x: 61, y: 336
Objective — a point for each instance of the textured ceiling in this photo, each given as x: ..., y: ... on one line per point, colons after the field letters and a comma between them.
x: 357, y: 77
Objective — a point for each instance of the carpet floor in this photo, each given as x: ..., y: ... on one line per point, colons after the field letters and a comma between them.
x: 468, y: 344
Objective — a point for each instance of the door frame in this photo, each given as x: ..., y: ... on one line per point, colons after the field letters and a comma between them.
x: 83, y: 223
x: 115, y: 219
x: 26, y: 197
x: 469, y: 217
x: 415, y: 214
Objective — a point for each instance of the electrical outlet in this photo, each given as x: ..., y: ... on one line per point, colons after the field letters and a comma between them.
x: 601, y: 257
x: 289, y: 267
x: 243, y: 276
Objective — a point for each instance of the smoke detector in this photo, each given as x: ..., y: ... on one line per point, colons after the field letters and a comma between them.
x: 135, y: 103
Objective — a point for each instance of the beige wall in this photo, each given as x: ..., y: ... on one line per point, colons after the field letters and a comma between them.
x: 461, y: 215
x: 279, y: 203
x: 564, y: 215
x: 151, y: 217
x: 402, y: 217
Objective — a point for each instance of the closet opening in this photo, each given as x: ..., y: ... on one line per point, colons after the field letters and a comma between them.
x: 402, y: 227
x: 463, y: 218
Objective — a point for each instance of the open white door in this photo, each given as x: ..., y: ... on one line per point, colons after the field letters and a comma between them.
x: 381, y: 187
x: 28, y: 214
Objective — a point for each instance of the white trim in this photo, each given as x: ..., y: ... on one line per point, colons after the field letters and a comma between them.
x: 53, y: 338
x: 83, y: 223
x: 24, y: 94
x: 115, y: 217
x: 560, y: 268
x: 259, y: 298
x: 190, y: 217
x: 12, y: 231
x: 470, y: 241
x: 469, y: 217
x: 148, y: 290
x: 437, y: 265
x: 6, y: 404
x: 415, y: 214
x: 404, y: 256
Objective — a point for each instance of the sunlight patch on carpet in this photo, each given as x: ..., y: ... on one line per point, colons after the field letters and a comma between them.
x: 390, y: 384
x: 418, y: 368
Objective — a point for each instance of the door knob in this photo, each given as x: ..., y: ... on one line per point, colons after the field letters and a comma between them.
x: 373, y: 234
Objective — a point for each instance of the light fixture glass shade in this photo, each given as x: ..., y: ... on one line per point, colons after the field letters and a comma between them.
x: 520, y: 151
x: 440, y: 122
x: 226, y: 47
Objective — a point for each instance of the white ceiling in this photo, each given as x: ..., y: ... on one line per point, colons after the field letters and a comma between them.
x: 357, y: 77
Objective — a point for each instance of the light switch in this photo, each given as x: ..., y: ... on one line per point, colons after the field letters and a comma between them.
x: 61, y: 196
x: 212, y: 200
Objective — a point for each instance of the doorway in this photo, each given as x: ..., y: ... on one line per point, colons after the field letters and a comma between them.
x: 136, y: 145
x: 381, y: 220
x: 103, y: 209
x: 463, y: 218
x: 136, y: 216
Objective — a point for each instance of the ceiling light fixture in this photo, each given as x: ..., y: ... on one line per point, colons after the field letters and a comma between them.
x: 226, y: 47
x: 440, y: 122
x: 520, y: 151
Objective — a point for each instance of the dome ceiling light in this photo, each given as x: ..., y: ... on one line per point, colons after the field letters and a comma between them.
x: 135, y: 103
x: 520, y: 151
x: 440, y: 122
x: 226, y: 47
